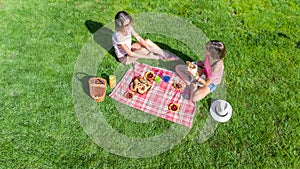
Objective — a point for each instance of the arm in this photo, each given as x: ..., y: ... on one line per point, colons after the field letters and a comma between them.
x: 205, y: 82
x: 139, y: 39
x: 200, y: 63
x: 126, y: 49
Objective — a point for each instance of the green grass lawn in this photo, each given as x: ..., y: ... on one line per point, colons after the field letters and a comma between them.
x: 40, y: 45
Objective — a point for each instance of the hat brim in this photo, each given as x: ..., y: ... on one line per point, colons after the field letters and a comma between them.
x: 218, y: 117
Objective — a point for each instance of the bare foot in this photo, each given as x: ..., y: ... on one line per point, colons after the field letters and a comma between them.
x: 170, y: 56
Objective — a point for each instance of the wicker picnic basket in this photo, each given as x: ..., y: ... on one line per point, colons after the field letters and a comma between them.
x: 97, y: 88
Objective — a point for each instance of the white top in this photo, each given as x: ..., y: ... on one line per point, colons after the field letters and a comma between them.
x: 121, y: 38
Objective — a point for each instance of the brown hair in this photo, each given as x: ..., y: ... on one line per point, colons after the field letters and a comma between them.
x: 120, y: 18
x: 216, y: 49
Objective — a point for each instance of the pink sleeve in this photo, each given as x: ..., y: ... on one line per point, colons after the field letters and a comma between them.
x: 207, y: 68
x: 216, y: 77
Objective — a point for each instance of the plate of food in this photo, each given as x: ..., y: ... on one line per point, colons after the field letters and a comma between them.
x: 128, y: 95
x: 141, y: 85
x: 150, y: 75
x: 174, y: 107
x: 177, y: 86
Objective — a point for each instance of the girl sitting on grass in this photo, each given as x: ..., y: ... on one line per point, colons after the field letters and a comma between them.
x: 126, y: 51
x: 210, y: 76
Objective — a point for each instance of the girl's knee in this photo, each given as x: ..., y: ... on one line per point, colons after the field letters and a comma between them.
x: 177, y: 68
x: 205, y: 90
x: 180, y: 68
x: 136, y: 46
x: 200, y: 93
x: 148, y: 41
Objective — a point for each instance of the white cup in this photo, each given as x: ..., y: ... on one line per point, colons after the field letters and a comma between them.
x: 193, y: 71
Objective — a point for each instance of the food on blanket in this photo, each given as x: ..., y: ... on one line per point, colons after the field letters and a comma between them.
x: 140, y: 85
x: 150, y: 75
x: 177, y: 86
x: 192, y: 67
x: 174, y: 107
x: 129, y: 95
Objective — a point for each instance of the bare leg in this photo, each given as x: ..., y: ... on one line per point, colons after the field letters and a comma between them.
x: 141, y: 53
x: 136, y: 54
x: 200, y: 93
x: 170, y: 56
x: 136, y: 46
x: 130, y: 60
x: 186, y: 76
x: 154, y: 48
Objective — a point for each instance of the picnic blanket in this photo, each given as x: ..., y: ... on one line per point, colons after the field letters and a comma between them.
x: 157, y: 100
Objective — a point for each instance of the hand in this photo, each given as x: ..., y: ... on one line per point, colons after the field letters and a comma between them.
x: 200, y: 63
x: 205, y: 82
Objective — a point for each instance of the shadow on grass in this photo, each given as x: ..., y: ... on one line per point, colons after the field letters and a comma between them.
x: 210, y: 100
x: 298, y: 44
x: 103, y: 36
x: 84, y: 81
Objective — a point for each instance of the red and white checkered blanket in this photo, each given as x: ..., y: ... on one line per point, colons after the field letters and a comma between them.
x: 157, y: 100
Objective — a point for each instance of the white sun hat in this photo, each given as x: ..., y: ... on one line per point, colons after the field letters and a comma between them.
x: 221, y: 110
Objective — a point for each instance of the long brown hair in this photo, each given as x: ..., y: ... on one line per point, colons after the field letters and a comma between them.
x: 216, y: 49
